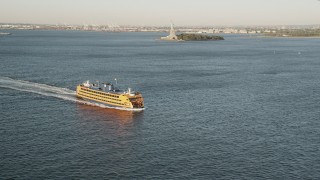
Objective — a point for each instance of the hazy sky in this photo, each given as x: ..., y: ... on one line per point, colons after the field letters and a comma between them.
x: 161, y: 12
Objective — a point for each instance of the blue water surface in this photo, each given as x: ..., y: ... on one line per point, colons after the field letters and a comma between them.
x: 244, y: 108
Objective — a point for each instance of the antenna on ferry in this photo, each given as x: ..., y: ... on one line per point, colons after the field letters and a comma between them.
x: 116, y: 81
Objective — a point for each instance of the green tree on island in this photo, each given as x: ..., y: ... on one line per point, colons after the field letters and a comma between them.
x: 198, y: 37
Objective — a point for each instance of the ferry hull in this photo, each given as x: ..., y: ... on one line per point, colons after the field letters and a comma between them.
x: 104, y: 105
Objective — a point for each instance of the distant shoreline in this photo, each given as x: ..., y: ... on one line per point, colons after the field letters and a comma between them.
x: 205, y: 34
x: 288, y: 37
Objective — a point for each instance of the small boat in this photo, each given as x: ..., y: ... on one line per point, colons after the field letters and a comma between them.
x: 5, y: 33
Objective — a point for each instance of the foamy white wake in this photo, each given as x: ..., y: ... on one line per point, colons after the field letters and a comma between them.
x: 47, y: 90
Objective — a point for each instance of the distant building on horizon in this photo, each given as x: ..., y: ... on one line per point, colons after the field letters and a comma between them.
x: 172, y: 36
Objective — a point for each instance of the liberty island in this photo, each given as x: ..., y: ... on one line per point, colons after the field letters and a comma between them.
x: 189, y: 36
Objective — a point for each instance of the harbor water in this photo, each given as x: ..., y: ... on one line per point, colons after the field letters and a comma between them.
x: 247, y: 107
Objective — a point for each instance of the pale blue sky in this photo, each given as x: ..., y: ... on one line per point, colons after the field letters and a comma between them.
x: 161, y: 12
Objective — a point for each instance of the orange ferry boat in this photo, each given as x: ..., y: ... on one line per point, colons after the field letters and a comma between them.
x: 109, y: 95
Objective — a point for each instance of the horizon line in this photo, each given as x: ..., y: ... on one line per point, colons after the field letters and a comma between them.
x: 137, y: 25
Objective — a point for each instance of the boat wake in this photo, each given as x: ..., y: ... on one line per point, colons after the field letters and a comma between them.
x: 52, y: 91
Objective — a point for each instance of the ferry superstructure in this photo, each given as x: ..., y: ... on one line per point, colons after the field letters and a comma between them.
x: 109, y: 95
